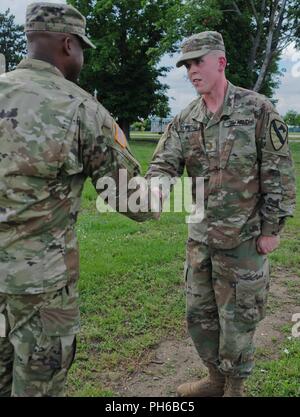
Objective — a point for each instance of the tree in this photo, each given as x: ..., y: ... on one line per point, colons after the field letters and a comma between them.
x: 2, y: 64
x: 255, y: 32
x: 12, y: 40
x: 131, y: 36
x: 278, y: 31
x: 147, y: 124
x: 292, y: 118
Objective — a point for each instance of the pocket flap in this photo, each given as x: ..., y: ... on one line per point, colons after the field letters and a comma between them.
x: 60, y: 322
x: 61, y: 316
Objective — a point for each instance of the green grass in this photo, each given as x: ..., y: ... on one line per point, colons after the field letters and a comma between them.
x: 278, y: 378
x: 131, y: 287
x: 144, y: 135
x: 131, y: 290
x: 294, y: 135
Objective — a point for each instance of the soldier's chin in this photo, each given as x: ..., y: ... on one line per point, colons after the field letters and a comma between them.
x: 199, y: 90
x: 203, y: 89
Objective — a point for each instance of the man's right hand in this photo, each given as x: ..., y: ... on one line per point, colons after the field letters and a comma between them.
x: 267, y: 244
x: 156, y: 200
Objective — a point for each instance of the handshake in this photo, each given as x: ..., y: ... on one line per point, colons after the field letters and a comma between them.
x: 151, y: 196
x: 139, y: 198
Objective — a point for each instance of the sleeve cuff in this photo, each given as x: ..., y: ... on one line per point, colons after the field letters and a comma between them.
x: 271, y: 229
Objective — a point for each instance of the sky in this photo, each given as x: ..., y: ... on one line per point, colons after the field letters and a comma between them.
x: 181, y: 92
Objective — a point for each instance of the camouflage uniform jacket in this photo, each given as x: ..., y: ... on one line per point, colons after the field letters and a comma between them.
x: 53, y: 136
x: 242, y: 152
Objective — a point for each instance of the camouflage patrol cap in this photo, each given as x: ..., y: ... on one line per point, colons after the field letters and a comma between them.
x: 200, y: 44
x: 54, y: 17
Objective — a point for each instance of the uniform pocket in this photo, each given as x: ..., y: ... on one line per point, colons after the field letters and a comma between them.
x: 60, y: 317
x: 55, y: 345
x: 251, y: 297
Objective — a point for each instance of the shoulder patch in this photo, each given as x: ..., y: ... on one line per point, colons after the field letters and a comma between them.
x: 278, y: 132
x: 119, y: 136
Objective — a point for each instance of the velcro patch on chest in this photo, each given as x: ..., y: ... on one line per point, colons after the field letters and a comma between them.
x: 278, y: 134
x: 239, y: 122
x: 190, y: 127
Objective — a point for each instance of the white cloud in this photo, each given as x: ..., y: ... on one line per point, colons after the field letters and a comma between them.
x: 289, y: 51
x: 288, y: 92
x: 181, y: 92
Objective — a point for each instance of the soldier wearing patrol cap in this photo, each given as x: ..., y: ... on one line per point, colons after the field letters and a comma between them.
x: 53, y: 136
x: 236, y: 140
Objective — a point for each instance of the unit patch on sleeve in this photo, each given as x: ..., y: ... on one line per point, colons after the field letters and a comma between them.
x: 278, y: 134
x: 119, y: 136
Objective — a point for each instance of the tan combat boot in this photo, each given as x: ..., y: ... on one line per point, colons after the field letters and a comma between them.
x: 211, y: 386
x: 234, y: 387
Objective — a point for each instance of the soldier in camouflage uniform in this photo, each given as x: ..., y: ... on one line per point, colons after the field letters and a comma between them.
x: 235, y: 139
x: 53, y: 136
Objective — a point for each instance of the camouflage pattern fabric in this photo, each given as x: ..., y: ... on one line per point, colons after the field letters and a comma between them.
x: 226, y: 297
x: 53, y: 136
x: 51, y: 17
x: 39, y: 346
x: 248, y: 178
x: 200, y: 44
x: 249, y: 190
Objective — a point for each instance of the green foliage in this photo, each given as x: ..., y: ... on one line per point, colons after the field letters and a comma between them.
x: 292, y: 118
x: 12, y: 40
x: 141, y: 126
x: 245, y: 35
x: 294, y: 13
x: 130, y: 37
x: 147, y: 124
x: 280, y: 377
x: 138, y: 126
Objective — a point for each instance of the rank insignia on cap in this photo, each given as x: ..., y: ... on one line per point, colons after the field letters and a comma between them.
x: 278, y: 134
x: 119, y: 136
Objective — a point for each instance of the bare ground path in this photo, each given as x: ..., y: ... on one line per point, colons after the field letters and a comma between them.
x: 175, y: 361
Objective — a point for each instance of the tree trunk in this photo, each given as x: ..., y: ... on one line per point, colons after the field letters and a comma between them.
x: 268, y: 53
x: 265, y: 65
x: 272, y: 42
x: 125, y: 126
x: 256, y: 41
x: 2, y: 64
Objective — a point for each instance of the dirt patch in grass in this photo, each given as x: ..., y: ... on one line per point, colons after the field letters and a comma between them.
x: 172, y: 362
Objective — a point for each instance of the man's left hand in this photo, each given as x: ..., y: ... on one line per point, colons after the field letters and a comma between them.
x: 266, y: 244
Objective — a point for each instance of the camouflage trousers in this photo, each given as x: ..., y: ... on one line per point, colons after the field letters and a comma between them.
x: 38, y: 342
x: 226, y: 293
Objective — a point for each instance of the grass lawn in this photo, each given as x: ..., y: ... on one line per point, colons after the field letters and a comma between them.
x: 131, y: 287
x: 144, y: 135
x: 132, y: 291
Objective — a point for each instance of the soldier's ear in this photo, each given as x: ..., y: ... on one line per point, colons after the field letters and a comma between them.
x: 222, y: 63
x: 67, y: 45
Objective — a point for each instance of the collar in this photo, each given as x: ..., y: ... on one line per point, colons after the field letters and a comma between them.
x: 228, y: 104
x: 38, y: 65
x: 199, y: 113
